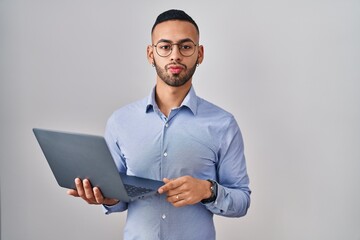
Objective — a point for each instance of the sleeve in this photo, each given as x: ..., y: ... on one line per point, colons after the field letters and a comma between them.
x: 233, y: 192
x: 118, y: 157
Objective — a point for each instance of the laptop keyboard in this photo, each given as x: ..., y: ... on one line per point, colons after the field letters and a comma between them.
x: 134, y: 191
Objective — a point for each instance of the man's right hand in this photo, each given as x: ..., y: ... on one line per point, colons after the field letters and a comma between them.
x: 89, y: 194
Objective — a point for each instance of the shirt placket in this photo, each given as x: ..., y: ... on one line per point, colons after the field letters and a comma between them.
x: 164, y: 165
x: 163, y: 214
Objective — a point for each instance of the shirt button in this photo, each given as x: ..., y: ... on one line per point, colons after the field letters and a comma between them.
x: 166, y: 125
x: 163, y: 216
x: 165, y: 154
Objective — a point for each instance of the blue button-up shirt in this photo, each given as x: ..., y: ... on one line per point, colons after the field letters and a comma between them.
x: 197, y: 139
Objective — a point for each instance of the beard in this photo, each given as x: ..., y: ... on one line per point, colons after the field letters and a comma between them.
x: 175, y: 80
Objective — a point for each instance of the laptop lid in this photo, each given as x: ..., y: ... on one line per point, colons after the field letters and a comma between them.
x: 74, y: 155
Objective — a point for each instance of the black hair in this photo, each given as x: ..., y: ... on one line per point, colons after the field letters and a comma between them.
x: 174, y: 14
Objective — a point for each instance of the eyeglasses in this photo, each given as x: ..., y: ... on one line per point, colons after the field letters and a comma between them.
x: 186, y: 48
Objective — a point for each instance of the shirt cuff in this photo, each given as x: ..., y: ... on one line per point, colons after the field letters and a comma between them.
x: 219, y: 205
x: 119, y: 207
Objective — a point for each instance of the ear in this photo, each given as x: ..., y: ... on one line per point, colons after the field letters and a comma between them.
x: 150, y: 54
x: 200, y: 54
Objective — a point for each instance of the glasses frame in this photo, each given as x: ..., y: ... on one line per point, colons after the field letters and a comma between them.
x: 172, y: 45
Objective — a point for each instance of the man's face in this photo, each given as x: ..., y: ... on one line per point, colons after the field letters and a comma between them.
x: 175, y: 69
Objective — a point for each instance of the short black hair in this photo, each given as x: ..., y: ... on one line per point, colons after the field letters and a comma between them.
x: 174, y: 14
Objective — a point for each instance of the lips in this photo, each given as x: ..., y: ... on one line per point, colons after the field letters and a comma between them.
x: 175, y: 69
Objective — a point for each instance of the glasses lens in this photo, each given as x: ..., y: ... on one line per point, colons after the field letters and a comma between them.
x: 187, y: 48
x: 163, y: 49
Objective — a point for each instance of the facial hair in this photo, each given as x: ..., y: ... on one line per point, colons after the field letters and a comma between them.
x: 175, y: 80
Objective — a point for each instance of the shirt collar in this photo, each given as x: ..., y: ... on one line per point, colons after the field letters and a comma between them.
x: 190, y: 101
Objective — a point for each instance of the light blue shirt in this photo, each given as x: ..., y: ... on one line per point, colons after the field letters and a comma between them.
x: 197, y: 139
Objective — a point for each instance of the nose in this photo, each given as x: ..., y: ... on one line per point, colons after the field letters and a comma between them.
x: 175, y: 53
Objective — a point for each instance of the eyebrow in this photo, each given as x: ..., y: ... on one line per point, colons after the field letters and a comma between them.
x: 180, y: 41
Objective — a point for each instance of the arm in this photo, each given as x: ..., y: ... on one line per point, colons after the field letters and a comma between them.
x: 119, y: 160
x: 233, y: 193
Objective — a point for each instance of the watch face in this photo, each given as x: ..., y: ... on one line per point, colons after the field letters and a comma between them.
x: 212, y: 188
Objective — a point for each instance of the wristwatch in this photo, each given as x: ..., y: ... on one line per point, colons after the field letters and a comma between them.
x: 213, y: 189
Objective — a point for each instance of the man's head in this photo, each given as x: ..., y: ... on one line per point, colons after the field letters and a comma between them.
x: 174, y: 15
x: 175, y: 49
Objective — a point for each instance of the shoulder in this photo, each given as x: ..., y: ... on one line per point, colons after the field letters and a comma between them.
x: 215, y: 120
x: 214, y: 125
x: 212, y: 111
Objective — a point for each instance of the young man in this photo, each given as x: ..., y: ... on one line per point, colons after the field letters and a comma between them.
x: 173, y: 135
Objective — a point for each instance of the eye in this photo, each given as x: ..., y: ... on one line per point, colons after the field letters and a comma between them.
x: 164, y: 46
x: 186, y: 46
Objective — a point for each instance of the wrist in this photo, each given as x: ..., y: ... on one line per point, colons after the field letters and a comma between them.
x: 211, y: 193
x: 111, y: 203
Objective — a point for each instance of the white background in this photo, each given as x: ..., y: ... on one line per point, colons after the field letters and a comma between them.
x: 288, y: 70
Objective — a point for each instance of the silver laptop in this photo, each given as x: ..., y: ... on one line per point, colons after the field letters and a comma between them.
x: 73, y: 155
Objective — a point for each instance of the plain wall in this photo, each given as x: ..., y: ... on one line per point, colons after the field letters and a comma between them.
x: 288, y: 70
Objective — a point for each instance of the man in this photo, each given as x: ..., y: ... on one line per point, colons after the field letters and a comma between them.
x: 173, y: 135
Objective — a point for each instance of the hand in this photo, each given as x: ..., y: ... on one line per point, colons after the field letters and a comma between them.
x: 185, y: 190
x: 89, y: 194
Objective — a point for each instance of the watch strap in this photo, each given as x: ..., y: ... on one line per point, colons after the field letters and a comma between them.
x: 213, y: 189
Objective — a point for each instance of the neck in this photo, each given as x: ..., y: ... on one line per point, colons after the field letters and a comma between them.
x: 168, y: 97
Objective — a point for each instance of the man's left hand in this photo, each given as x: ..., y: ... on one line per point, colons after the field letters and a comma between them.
x: 185, y: 190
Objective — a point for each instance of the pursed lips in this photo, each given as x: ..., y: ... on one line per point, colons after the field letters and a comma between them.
x: 175, y: 69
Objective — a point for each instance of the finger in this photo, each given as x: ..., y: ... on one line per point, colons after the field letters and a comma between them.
x: 177, y: 201
x: 100, y: 199
x: 170, y: 185
x: 98, y: 195
x: 174, y: 193
x: 174, y: 198
x: 79, y: 187
x: 181, y: 200
x: 73, y: 193
x: 89, y: 194
x: 162, y: 189
x: 166, y: 180
x: 180, y: 196
x: 180, y: 203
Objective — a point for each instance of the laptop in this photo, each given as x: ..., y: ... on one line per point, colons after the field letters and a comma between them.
x: 74, y: 155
